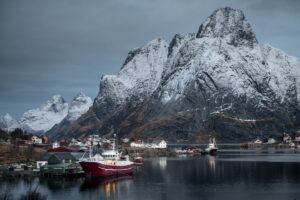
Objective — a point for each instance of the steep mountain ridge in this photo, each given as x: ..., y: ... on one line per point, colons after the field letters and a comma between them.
x: 42, y: 119
x: 79, y: 106
x: 53, y: 112
x: 220, y: 81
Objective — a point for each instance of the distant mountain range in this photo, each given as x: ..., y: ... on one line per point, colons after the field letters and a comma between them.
x: 219, y: 81
x: 43, y: 118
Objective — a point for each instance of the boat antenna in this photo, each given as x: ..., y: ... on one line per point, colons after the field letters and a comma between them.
x: 115, y: 142
x: 90, y: 152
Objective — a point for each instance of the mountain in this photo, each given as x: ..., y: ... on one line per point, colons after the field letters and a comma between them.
x: 7, y: 123
x: 219, y: 81
x: 43, y: 118
x: 79, y: 106
x: 54, y: 111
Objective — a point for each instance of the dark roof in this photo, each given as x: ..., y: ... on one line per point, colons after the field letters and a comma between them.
x: 64, y: 149
x: 65, y: 156
x: 59, y: 155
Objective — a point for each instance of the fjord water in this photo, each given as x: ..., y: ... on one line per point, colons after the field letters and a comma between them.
x: 232, y: 174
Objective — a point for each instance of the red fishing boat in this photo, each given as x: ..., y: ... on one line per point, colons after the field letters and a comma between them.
x: 108, y: 163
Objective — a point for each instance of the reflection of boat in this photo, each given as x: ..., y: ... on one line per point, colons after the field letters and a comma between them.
x: 96, y: 182
x: 108, y: 163
x: 293, y: 145
x: 211, y: 147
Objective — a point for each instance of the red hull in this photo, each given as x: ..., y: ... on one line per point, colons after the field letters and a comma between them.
x: 213, y: 151
x: 98, y: 169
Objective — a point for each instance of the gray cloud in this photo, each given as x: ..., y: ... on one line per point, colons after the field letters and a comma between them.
x: 63, y: 46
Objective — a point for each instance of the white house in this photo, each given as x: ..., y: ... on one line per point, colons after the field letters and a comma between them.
x: 286, y: 138
x: 125, y: 140
x: 138, y: 144
x: 159, y: 144
x: 55, y: 145
x: 36, y: 140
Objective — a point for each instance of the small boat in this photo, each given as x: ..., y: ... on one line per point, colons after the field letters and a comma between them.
x: 212, y: 148
x: 257, y: 141
x: 138, y: 160
x: 108, y: 163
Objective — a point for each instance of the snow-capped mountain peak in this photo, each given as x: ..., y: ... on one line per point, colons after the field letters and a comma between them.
x: 47, y: 115
x: 80, y: 105
x: 139, y: 76
x: 7, y: 122
x: 228, y: 23
x: 53, y: 112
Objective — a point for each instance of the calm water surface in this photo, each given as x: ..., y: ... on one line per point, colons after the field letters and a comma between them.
x: 233, y: 174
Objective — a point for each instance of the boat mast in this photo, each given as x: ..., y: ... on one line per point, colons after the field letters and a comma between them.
x: 90, y: 152
x: 115, y: 146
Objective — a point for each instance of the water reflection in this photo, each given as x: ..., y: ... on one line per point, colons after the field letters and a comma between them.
x: 226, y: 175
x: 212, y: 162
x: 107, y: 187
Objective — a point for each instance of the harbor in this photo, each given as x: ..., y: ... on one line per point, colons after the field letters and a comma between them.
x: 251, y: 173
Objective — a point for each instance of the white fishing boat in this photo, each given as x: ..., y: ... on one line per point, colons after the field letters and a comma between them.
x: 211, y: 147
x: 257, y: 141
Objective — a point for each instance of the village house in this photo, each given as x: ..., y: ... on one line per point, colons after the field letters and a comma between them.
x: 57, y: 163
x: 55, y: 145
x: 36, y: 140
x: 286, y: 138
x: 137, y: 144
x: 159, y: 144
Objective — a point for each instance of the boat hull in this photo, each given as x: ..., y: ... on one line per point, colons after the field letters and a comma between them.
x: 99, y: 169
x: 211, y: 151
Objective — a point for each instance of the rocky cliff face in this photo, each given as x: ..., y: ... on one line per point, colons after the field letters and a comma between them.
x: 220, y: 81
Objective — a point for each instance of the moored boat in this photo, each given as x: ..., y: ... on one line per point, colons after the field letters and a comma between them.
x: 138, y: 160
x: 212, y: 148
x: 257, y: 141
x: 108, y: 163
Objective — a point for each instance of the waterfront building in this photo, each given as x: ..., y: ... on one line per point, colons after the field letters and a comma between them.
x: 159, y: 144
x: 286, y: 138
x: 138, y: 144
x: 36, y: 140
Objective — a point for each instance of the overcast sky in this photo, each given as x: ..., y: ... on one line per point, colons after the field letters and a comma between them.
x: 64, y: 46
